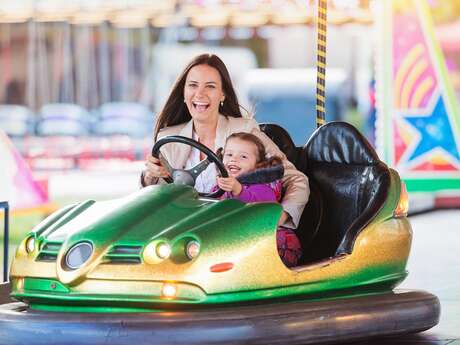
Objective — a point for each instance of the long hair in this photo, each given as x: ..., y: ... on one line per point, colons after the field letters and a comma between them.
x: 175, y: 111
x: 262, y: 160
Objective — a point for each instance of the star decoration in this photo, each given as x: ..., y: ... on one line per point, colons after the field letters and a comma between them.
x: 435, y: 131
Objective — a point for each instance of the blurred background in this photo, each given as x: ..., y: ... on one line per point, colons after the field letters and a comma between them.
x: 81, y: 81
x: 94, y: 69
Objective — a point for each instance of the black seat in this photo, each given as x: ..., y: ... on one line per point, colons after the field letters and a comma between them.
x: 311, y: 220
x: 282, y: 139
x: 352, y: 182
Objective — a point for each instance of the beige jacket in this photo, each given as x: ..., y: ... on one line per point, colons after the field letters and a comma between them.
x: 295, y: 183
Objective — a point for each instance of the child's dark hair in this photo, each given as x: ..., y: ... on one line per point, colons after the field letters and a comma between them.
x: 262, y: 160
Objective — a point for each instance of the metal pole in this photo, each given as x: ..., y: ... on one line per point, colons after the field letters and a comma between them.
x: 6, y: 209
x: 321, y: 63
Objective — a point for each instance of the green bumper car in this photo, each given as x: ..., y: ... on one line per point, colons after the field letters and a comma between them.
x: 167, y: 265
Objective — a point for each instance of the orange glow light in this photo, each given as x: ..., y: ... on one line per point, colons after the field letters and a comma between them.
x: 403, y: 205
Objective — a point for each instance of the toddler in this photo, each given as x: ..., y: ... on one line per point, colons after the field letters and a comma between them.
x: 244, y: 158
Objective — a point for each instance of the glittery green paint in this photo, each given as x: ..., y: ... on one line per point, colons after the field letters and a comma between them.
x: 121, y: 230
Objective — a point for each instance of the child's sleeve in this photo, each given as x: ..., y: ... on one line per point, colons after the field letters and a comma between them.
x: 257, y: 193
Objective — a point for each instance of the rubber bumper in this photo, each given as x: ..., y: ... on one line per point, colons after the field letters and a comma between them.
x: 294, y: 322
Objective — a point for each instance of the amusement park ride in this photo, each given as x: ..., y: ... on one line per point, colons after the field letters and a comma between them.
x: 169, y: 266
x: 418, y: 116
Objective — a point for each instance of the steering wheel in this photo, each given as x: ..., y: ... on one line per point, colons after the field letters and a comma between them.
x: 188, y: 177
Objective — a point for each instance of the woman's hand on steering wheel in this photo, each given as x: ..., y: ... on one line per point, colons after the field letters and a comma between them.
x: 154, y: 170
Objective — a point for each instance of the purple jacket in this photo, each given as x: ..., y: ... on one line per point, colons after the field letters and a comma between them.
x: 257, y: 192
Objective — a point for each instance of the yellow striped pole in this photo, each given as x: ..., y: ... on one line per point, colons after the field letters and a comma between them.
x: 321, y: 64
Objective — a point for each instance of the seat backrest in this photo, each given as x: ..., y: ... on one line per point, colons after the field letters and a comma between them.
x: 282, y: 139
x: 352, y: 181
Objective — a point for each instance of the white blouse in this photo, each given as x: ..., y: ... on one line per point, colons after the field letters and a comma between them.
x: 208, y: 178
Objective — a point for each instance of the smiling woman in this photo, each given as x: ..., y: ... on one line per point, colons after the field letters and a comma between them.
x: 203, y: 106
x: 203, y: 93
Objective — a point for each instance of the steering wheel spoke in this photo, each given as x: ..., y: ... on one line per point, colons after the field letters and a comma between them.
x: 199, y: 168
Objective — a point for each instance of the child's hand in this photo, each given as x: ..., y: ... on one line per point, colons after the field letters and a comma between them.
x: 230, y: 184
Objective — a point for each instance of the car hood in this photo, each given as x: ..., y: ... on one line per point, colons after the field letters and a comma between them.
x: 120, y: 229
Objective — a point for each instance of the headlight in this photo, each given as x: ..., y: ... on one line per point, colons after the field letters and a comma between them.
x: 156, y: 251
x: 30, y: 244
x: 163, y: 250
x: 78, y: 255
x: 169, y: 290
x: 192, y: 249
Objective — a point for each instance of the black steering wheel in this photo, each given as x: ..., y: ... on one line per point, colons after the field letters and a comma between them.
x: 188, y: 177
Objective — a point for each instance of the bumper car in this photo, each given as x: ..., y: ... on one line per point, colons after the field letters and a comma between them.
x: 167, y: 265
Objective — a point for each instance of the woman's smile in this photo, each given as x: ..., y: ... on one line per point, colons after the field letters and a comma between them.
x: 200, y: 106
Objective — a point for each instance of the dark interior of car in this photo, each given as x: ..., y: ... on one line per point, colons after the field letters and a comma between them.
x: 348, y: 186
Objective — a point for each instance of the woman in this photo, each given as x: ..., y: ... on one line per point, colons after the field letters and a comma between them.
x: 203, y: 106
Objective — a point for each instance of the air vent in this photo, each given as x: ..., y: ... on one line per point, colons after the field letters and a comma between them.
x: 46, y: 257
x: 52, y: 247
x: 49, y: 251
x: 124, y: 255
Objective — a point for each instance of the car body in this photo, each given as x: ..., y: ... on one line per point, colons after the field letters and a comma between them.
x: 238, y: 258
x: 166, y: 248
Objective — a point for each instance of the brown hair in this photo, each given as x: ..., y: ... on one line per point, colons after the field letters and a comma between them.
x: 262, y: 160
x: 175, y: 111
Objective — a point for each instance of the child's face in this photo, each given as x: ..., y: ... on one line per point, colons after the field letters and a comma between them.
x: 240, y: 156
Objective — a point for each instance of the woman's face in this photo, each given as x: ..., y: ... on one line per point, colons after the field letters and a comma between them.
x: 240, y: 156
x: 203, y: 92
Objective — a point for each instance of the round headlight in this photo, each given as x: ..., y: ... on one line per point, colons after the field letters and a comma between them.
x: 30, y: 244
x: 163, y: 250
x: 78, y: 255
x: 192, y: 249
